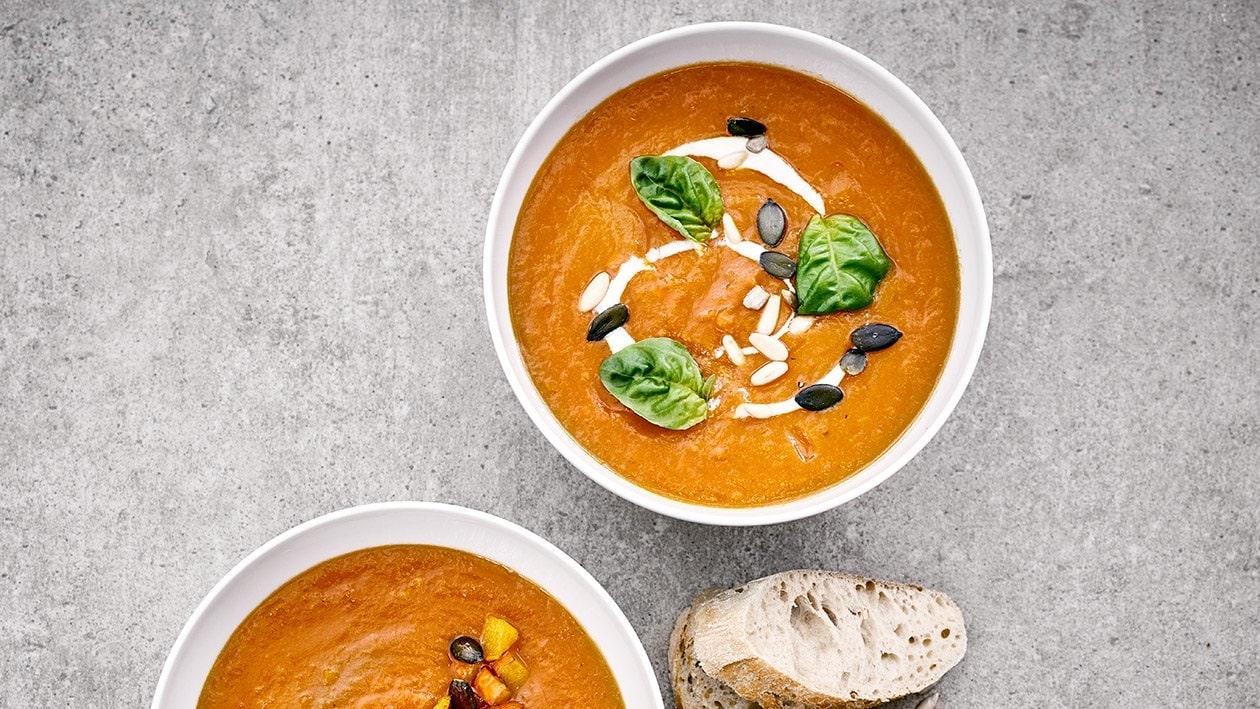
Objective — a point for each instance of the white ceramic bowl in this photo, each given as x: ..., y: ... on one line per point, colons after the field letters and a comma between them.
x: 291, y: 553
x: 804, y: 52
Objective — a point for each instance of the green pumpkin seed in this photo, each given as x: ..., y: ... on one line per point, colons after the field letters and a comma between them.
x: 744, y: 126
x: 874, y: 337
x: 777, y: 264
x: 817, y: 397
x: 853, y: 362
x: 611, y: 319
x: 771, y: 223
x: 467, y: 650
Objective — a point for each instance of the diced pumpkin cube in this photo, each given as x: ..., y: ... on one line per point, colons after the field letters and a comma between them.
x: 497, y: 637
x: 512, y: 670
x: 512, y: 705
x: 491, y: 688
x: 443, y: 703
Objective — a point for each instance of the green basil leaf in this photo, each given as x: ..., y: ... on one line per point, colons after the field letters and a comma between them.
x: 839, y: 264
x: 681, y: 192
x: 706, y: 390
x: 659, y: 380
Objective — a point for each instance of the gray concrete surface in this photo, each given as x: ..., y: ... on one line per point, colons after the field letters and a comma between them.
x: 240, y: 287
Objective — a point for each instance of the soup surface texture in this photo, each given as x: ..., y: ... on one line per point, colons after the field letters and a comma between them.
x: 372, y: 629
x: 582, y: 216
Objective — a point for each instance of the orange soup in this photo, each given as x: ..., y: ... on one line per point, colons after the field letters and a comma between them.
x: 410, y: 626
x: 730, y: 190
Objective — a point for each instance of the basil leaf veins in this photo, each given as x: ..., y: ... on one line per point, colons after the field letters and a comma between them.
x: 839, y: 264
x: 659, y: 380
x: 681, y: 192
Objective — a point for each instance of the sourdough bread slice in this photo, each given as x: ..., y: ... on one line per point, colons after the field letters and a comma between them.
x: 824, y: 639
x: 693, y: 688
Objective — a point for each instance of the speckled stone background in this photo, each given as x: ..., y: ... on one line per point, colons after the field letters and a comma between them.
x: 240, y: 287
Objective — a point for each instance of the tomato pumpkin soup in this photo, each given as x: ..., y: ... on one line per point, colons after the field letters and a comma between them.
x: 410, y: 626
x: 734, y: 284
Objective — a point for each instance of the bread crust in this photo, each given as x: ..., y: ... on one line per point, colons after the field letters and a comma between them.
x: 693, y: 687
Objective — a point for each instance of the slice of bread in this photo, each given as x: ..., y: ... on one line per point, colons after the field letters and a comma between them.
x: 816, y: 639
x: 693, y: 689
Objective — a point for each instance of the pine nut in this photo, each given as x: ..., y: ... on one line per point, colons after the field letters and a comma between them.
x: 594, y: 292
x: 768, y: 372
x: 769, y: 315
x: 733, y: 350
x: 768, y: 346
x: 756, y: 298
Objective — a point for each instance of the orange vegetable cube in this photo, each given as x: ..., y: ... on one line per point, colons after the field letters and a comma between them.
x: 497, y: 637
x: 512, y: 670
x: 491, y: 688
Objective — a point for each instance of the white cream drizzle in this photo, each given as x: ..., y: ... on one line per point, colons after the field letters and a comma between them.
x: 767, y: 162
x: 770, y: 164
x: 787, y: 406
x: 632, y: 267
x: 681, y: 246
x: 747, y: 249
x: 619, y: 339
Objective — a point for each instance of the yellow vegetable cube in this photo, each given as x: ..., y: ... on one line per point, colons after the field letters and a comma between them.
x: 512, y: 670
x: 443, y: 703
x: 497, y: 637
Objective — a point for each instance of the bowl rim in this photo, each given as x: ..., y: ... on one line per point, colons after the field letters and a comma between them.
x: 826, y: 498
x: 606, y: 605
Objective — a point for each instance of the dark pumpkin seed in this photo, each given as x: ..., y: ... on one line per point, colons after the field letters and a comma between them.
x: 853, y: 362
x: 467, y: 650
x: 462, y: 695
x: 771, y: 223
x: 743, y: 126
x: 817, y: 397
x: 607, y: 321
x: 757, y: 143
x: 777, y: 264
x: 872, y: 338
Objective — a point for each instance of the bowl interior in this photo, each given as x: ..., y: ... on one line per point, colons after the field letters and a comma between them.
x: 804, y: 52
x: 288, y: 555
